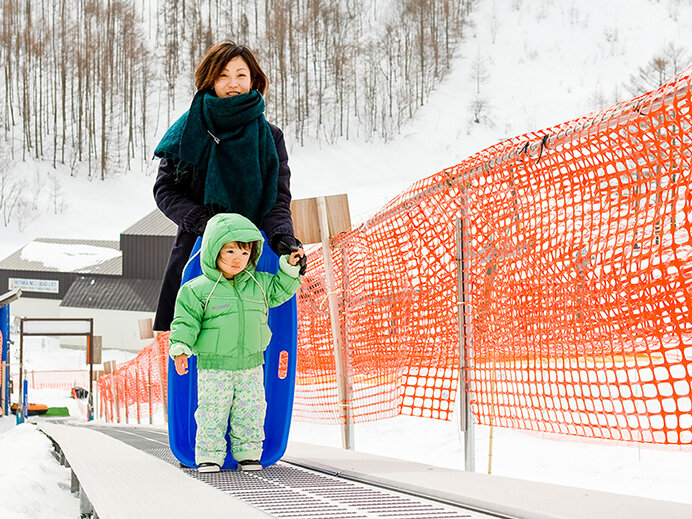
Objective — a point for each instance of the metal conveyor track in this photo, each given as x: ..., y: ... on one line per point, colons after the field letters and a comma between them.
x: 286, y: 490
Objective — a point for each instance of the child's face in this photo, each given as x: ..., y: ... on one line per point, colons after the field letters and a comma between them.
x: 232, y: 259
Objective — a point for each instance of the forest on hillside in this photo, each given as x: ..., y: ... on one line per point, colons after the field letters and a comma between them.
x: 90, y: 85
x: 93, y: 82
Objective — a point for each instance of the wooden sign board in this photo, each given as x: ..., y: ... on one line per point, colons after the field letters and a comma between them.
x: 306, y: 222
x: 146, y: 328
x: 96, y: 347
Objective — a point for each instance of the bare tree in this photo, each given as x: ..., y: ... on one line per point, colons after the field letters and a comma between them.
x: 79, y: 75
x: 663, y: 67
x: 478, y: 72
x: 480, y: 111
x: 56, y: 194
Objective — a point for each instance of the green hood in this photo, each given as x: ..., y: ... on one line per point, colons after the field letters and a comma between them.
x: 221, y: 229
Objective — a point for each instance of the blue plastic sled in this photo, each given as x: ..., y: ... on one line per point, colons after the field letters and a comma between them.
x: 182, y: 390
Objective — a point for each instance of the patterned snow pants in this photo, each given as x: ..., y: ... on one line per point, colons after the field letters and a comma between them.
x: 239, y: 394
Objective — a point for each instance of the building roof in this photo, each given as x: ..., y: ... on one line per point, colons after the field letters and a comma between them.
x: 67, y: 255
x: 153, y: 224
x: 137, y: 295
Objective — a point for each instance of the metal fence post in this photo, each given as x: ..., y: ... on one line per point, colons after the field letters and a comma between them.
x: 463, y: 242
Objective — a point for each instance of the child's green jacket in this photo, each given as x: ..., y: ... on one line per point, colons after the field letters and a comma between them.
x: 224, y: 322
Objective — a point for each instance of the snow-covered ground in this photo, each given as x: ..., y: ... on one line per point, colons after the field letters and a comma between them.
x: 547, y: 62
x: 32, y: 483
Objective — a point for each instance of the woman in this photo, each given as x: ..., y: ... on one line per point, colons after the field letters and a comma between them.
x: 222, y: 156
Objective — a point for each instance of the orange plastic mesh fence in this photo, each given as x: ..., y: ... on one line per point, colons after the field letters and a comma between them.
x: 58, y: 379
x: 137, y: 388
x: 578, y: 285
x: 576, y: 293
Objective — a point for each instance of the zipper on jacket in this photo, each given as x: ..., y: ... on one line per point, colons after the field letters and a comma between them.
x: 241, y: 317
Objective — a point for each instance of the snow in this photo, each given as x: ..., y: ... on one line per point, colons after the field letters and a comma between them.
x: 67, y: 257
x: 548, y: 62
x: 32, y: 483
x: 93, y: 209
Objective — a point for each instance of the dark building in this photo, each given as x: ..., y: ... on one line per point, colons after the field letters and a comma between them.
x: 36, y: 269
x: 145, y: 247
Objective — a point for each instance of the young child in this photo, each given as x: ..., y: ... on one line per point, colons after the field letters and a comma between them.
x: 221, y: 316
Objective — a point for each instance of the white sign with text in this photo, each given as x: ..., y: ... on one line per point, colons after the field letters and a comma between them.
x: 46, y: 286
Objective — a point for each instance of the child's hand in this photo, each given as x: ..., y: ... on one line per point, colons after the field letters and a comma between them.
x: 294, y: 258
x: 181, y: 364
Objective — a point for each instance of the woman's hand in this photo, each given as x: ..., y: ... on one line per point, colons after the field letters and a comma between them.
x: 180, y: 364
x: 294, y: 258
x: 287, y: 244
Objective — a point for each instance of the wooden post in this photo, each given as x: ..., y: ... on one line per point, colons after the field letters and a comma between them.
x: 344, y: 413
x: 332, y: 217
x: 137, y: 392
x: 103, y: 410
x: 125, y: 399
x: 111, y: 401
x: 159, y: 368
x: 151, y: 414
x: 109, y: 367
x: 116, y: 396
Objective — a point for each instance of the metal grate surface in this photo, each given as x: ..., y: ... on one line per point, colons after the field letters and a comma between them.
x: 287, y: 491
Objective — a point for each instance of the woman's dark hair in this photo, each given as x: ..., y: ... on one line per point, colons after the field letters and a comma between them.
x: 216, y: 60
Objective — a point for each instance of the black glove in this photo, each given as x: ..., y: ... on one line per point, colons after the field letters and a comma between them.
x: 200, y: 223
x: 286, y: 244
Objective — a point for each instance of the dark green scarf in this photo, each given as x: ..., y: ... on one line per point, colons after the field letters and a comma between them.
x: 230, y: 139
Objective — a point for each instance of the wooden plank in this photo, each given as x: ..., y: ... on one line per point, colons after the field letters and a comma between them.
x: 122, y: 481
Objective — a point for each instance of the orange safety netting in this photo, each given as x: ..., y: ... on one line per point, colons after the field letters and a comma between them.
x: 64, y: 379
x: 578, y: 247
x: 138, y: 387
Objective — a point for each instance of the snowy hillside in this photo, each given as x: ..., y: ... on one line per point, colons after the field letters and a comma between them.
x: 540, y: 63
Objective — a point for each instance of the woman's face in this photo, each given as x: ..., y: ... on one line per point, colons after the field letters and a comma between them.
x: 234, y: 79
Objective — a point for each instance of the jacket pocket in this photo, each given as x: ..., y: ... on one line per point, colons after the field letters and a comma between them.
x: 265, y: 334
x: 208, y: 340
x: 258, y: 333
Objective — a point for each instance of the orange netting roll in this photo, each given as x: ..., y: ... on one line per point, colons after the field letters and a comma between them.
x: 579, y: 285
